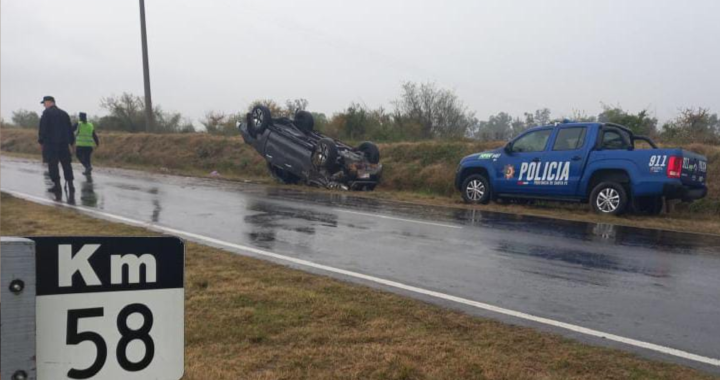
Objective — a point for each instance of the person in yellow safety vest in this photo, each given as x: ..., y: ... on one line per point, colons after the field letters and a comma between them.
x: 85, y: 140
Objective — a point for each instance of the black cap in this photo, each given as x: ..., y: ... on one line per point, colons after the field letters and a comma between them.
x: 46, y: 98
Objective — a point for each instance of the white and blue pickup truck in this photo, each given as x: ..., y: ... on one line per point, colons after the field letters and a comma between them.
x: 584, y: 162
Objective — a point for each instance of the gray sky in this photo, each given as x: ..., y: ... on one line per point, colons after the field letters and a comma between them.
x: 505, y: 55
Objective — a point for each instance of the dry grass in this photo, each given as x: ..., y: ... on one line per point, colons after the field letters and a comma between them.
x: 186, y: 154
x: 249, y: 319
x: 417, y: 172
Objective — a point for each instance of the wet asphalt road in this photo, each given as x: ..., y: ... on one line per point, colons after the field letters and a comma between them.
x: 657, y: 287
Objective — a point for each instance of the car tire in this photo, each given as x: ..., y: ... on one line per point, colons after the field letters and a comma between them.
x: 371, y: 151
x: 325, y: 155
x: 476, y: 189
x: 609, y: 198
x: 260, y: 118
x: 304, y: 121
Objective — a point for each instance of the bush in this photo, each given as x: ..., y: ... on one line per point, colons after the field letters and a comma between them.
x: 26, y: 119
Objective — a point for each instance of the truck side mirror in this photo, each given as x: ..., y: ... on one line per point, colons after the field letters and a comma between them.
x: 508, y: 148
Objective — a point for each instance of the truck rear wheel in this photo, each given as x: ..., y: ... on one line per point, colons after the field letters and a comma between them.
x: 476, y: 189
x: 609, y: 198
x: 371, y: 152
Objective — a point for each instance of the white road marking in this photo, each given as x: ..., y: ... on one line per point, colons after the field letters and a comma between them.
x: 393, y: 284
x: 380, y: 216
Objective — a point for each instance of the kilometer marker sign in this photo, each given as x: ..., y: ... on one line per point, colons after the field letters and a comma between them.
x: 110, y: 307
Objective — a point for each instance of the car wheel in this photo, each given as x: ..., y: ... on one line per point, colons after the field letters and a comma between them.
x: 260, y: 118
x: 325, y: 155
x: 304, y: 121
x: 609, y: 198
x: 476, y: 189
x: 371, y: 151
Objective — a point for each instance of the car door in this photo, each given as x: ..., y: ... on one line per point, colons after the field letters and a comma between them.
x: 290, y: 151
x: 297, y: 152
x: 517, y: 167
x: 274, y: 149
x: 562, y: 165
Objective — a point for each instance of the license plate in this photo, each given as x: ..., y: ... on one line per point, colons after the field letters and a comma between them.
x: 364, y: 175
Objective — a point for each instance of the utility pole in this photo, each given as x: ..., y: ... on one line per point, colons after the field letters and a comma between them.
x: 149, y: 117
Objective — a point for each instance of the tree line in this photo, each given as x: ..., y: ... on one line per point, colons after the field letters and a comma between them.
x: 126, y: 113
x: 422, y: 111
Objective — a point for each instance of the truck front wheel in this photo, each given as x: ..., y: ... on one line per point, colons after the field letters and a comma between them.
x: 609, y: 198
x: 476, y: 189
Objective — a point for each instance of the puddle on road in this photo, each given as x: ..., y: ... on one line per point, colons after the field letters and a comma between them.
x: 588, y: 260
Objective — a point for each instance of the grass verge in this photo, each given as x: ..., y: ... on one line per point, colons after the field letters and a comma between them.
x: 249, y: 319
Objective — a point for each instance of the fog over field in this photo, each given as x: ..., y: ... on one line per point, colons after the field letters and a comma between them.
x: 511, y: 56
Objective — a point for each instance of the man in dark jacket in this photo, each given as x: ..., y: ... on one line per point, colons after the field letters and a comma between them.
x: 56, y: 137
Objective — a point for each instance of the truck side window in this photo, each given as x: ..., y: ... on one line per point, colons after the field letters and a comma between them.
x: 613, y: 139
x: 570, y: 138
x: 532, y: 142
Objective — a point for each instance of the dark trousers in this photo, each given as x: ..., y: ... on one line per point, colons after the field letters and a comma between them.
x: 58, y: 154
x: 84, y: 154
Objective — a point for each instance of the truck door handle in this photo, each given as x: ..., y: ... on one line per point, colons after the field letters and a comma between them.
x: 268, y: 156
x: 288, y: 165
x: 577, y: 158
x: 536, y: 159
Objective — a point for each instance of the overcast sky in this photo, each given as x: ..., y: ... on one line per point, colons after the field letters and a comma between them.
x: 505, y: 55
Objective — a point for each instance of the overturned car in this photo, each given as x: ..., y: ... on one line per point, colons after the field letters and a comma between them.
x: 296, y: 153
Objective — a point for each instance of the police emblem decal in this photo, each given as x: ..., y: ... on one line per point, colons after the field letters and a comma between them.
x: 509, y: 171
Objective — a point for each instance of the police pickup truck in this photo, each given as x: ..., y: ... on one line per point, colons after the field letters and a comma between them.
x: 584, y: 162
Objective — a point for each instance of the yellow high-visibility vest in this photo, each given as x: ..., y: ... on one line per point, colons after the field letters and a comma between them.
x: 84, y: 136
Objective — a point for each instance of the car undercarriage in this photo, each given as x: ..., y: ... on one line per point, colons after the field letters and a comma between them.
x: 296, y: 153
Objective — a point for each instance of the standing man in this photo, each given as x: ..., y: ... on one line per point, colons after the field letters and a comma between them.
x: 86, y: 140
x: 56, y: 137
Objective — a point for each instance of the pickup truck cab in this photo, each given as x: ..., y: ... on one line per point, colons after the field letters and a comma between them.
x: 584, y: 162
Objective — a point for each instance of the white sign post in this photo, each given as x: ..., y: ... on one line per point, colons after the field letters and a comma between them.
x: 17, y: 309
x: 110, y: 308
